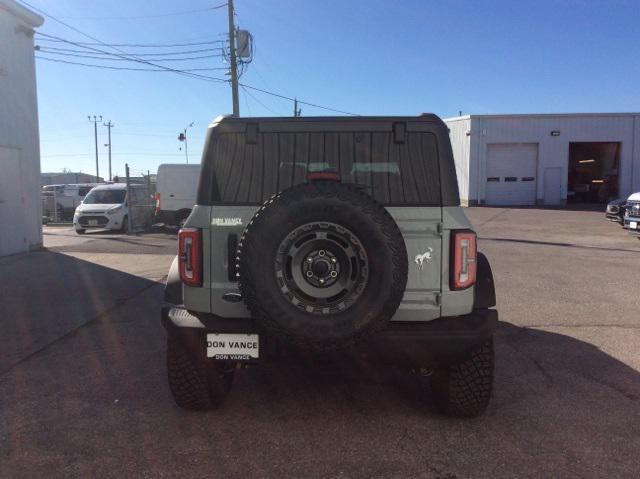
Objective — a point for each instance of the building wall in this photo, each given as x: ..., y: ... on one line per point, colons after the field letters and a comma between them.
x: 19, y: 138
x: 553, y: 151
x: 460, y: 142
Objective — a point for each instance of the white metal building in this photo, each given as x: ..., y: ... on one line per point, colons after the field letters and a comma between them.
x: 20, y: 204
x: 548, y: 159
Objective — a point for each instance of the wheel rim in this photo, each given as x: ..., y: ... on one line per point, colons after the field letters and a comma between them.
x: 321, y: 268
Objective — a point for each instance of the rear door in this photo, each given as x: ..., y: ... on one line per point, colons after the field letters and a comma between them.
x: 400, y: 173
x: 417, y: 188
x: 422, y: 235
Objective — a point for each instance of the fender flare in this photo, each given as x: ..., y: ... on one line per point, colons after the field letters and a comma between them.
x: 484, y: 295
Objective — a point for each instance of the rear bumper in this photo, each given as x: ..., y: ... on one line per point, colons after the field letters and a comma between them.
x: 411, y: 344
x: 440, y: 340
x: 626, y: 225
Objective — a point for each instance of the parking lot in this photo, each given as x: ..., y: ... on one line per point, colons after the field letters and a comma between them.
x: 83, y: 390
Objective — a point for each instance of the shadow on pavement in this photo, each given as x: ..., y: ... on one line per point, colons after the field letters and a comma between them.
x: 96, y: 403
x: 554, y: 243
x: 599, y: 207
x: 46, y: 295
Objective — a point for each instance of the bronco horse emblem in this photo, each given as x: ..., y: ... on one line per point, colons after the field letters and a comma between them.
x: 421, y: 258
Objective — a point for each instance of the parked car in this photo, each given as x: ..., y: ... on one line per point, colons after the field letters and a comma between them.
x: 377, y: 260
x: 615, y: 210
x: 176, y: 188
x: 60, y: 201
x: 632, y: 215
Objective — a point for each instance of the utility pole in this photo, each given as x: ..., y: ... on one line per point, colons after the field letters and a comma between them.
x: 296, y: 111
x: 109, y: 126
x: 186, y: 146
x: 129, y: 200
x: 95, y: 134
x: 232, y: 60
x: 183, y: 137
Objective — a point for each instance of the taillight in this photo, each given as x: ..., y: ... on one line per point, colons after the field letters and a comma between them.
x: 157, y: 203
x: 463, y: 259
x: 190, y: 256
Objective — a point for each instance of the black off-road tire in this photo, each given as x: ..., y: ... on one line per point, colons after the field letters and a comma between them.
x: 319, y: 204
x: 463, y: 389
x: 196, y: 384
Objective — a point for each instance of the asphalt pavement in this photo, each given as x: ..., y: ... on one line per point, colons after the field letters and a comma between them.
x: 83, y: 391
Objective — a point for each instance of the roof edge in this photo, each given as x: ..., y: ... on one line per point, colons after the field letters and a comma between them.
x: 22, y: 13
x: 544, y: 115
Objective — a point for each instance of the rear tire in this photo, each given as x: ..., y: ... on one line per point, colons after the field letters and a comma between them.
x: 463, y: 389
x: 196, y: 384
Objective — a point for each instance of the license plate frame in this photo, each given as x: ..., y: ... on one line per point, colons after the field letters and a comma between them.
x: 233, y: 346
x: 93, y: 223
x: 633, y: 225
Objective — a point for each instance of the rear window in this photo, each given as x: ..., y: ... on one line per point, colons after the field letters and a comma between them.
x: 393, y: 173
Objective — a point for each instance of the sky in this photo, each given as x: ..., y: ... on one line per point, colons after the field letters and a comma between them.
x: 368, y: 57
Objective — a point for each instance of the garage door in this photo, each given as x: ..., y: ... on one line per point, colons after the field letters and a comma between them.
x: 511, y: 174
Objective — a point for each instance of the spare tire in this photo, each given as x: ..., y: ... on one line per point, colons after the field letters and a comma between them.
x: 322, y: 264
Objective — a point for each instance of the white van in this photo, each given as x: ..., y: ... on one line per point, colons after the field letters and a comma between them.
x: 176, y: 189
x: 104, y: 207
x: 60, y: 201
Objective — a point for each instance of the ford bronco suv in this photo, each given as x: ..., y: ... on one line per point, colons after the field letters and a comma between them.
x: 325, y: 236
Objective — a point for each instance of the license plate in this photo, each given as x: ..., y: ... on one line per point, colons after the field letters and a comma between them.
x: 93, y: 222
x: 233, y: 346
x: 633, y: 225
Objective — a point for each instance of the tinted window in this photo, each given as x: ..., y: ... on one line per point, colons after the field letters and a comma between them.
x: 105, y: 197
x: 393, y: 173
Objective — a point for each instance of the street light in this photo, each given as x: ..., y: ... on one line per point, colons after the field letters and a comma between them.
x: 183, y: 137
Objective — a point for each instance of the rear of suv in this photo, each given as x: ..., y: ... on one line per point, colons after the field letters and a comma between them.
x: 330, y: 236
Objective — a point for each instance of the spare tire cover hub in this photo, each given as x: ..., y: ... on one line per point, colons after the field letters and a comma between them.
x: 321, y: 267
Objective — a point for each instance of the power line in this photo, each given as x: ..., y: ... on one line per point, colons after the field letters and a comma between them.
x: 140, y: 60
x: 158, y: 15
x: 156, y: 54
x: 109, y: 67
x: 180, y: 72
x: 76, y: 55
x: 258, y: 101
x: 137, y: 45
x: 266, y: 92
x: 193, y: 75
